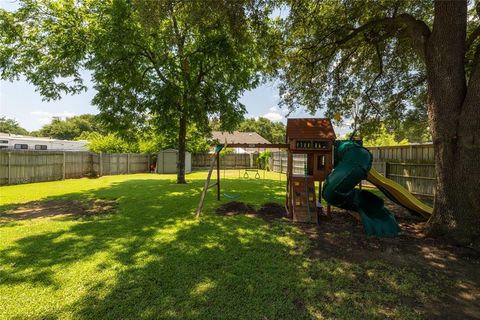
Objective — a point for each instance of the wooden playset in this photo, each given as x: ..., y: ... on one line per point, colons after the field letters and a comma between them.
x: 310, y: 137
x: 313, y: 138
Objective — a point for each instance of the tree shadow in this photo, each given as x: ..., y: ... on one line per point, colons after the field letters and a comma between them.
x: 151, y: 259
x: 449, y: 275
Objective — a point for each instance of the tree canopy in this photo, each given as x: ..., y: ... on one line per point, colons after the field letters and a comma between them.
x: 150, y: 141
x: 165, y: 64
x: 391, y: 62
x: 72, y: 127
x: 270, y: 130
x: 354, y: 58
x: 383, y: 138
x: 11, y: 126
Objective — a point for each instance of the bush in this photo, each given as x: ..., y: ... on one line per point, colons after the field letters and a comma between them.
x: 263, y: 160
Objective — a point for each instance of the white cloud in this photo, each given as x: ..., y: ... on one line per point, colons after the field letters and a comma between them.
x: 274, y: 116
x: 44, y: 117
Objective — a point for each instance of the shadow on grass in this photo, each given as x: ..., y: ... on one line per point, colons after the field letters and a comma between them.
x: 153, y: 260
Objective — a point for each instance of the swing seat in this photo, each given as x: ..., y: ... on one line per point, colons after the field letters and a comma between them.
x: 231, y: 197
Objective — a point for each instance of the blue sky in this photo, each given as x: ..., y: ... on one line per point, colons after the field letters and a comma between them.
x: 20, y: 101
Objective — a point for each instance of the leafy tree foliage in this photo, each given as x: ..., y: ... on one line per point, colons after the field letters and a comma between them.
x: 152, y: 142
x: 11, y: 126
x: 272, y: 131
x: 341, y: 60
x: 166, y: 63
x: 149, y: 142
x: 110, y: 143
x: 72, y: 127
x: 386, y: 61
x: 263, y: 160
x: 383, y: 138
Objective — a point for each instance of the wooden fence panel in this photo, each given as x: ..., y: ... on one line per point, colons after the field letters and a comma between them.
x: 279, y: 161
x: 31, y: 166
x: 407, y: 153
x: 418, y: 178
x: 4, y: 168
x: 106, y: 164
x: 79, y: 164
x: 19, y: 166
x: 138, y: 163
x: 227, y: 161
x: 380, y: 166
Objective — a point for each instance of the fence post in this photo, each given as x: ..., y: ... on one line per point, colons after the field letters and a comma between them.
x: 100, y: 163
x: 386, y: 169
x: 128, y: 163
x: 9, y: 169
x: 63, y: 166
x: 281, y: 161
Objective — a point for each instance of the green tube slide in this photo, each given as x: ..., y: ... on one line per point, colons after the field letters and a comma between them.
x: 352, y: 163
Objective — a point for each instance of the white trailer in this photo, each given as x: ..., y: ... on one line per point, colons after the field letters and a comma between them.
x: 18, y: 142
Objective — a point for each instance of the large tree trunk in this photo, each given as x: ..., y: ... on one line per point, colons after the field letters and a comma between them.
x: 182, y: 136
x: 454, y: 117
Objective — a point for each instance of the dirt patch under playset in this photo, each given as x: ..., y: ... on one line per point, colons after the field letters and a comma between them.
x: 268, y: 211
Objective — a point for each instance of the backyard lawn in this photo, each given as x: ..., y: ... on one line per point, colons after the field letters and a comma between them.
x: 128, y: 247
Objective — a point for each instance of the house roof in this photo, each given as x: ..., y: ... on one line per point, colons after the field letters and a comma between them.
x: 238, y: 137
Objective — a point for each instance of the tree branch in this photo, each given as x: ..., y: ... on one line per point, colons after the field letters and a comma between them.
x: 472, y: 37
x: 151, y: 57
x: 403, y: 25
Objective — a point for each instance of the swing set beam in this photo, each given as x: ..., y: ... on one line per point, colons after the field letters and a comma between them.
x: 259, y: 145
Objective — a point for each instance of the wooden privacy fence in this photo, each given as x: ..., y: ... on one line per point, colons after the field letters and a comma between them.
x: 18, y: 167
x: 407, y: 153
x: 411, y: 166
x: 418, y: 178
x: 227, y: 161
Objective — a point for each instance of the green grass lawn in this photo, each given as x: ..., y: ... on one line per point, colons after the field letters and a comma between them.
x: 152, y: 260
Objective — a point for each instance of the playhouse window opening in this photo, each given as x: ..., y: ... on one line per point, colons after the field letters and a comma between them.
x: 321, y: 162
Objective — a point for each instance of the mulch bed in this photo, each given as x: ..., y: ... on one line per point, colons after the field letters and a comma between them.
x: 233, y: 208
x: 53, y: 208
x: 268, y: 211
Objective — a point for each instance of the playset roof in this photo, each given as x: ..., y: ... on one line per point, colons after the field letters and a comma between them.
x: 310, y: 128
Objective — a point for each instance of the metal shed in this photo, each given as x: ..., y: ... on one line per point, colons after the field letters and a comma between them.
x: 167, y: 161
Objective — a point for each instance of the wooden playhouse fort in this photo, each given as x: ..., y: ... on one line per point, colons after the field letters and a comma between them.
x: 315, y: 140
x: 311, y: 137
